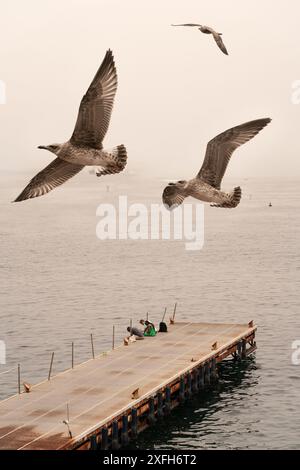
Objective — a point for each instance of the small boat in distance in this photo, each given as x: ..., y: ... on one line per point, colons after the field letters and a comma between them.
x: 270, y: 204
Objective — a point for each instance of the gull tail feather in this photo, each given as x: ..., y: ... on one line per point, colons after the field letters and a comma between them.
x: 233, y: 199
x: 120, y: 155
x: 118, y: 160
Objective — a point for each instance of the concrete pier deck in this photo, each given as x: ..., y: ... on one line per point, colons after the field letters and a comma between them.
x: 103, y: 413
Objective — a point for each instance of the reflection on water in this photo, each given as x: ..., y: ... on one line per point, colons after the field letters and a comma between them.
x: 204, y: 421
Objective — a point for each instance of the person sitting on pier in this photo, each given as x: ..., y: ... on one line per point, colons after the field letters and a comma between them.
x: 136, y: 332
x: 149, y: 328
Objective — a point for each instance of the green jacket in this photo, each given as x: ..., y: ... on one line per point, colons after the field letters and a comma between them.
x: 150, y: 332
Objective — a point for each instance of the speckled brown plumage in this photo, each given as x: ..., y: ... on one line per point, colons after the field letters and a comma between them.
x: 85, y: 146
x: 206, y: 185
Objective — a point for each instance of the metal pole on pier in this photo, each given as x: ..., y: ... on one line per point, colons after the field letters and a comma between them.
x: 164, y: 314
x: 72, y: 355
x: 19, y: 379
x: 174, y: 312
x: 92, y: 344
x: 50, y: 368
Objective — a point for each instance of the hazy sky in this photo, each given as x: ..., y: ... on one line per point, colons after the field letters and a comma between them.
x: 176, y: 89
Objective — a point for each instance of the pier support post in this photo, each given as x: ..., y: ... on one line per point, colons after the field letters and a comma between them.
x: 195, y: 383
x: 115, y: 435
x: 168, y: 400
x: 239, y: 350
x: 151, y: 415
x: 201, y: 377
x: 94, y: 444
x: 134, y: 423
x: 182, y: 390
x: 124, y: 434
x: 189, y: 385
x: 160, y: 411
x: 104, y: 439
x: 207, y: 374
x: 244, y: 344
x: 214, y: 371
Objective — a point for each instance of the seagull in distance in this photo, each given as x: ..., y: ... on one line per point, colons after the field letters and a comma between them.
x: 206, y: 186
x: 208, y: 30
x: 85, y: 146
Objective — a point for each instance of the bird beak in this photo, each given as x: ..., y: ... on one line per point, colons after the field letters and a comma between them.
x: 42, y: 147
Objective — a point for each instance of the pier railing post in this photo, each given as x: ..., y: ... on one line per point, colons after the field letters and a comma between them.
x: 50, y: 368
x: 72, y: 355
x: 163, y: 317
x: 92, y: 344
x: 19, y: 379
x: 174, y: 312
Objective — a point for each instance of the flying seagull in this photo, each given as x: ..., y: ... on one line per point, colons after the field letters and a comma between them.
x: 85, y: 146
x: 206, y: 185
x: 208, y: 30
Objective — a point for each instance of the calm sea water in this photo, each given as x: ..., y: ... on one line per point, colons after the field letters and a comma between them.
x: 59, y: 283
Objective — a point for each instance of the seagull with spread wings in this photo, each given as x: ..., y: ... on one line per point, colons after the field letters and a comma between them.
x: 85, y: 146
x: 208, y: 30
x: 206, y: 186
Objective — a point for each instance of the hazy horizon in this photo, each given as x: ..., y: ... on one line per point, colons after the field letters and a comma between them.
x: 176, y: 89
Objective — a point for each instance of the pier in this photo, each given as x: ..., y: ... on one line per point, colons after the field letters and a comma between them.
x: 105, y: 402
